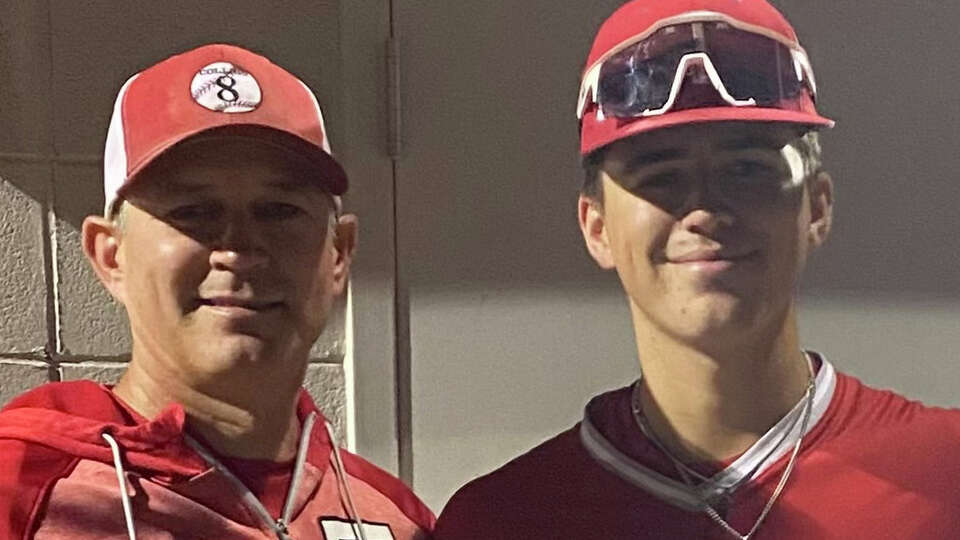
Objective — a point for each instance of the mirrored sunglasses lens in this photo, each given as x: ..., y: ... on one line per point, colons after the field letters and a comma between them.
x: 629, y: 87
x: 752, y: 66
x: 618, y: 88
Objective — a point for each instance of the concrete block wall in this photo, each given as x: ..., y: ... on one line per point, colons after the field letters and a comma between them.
x: 60, y: 67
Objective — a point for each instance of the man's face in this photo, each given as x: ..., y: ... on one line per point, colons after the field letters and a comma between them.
x: 227, y: 257
x: 709, y: 227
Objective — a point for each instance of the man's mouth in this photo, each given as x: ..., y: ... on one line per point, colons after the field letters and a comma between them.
x: 232, y: 302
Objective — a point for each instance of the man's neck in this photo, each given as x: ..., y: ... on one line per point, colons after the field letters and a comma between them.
x: 259, y: 424
x: 711, y: 406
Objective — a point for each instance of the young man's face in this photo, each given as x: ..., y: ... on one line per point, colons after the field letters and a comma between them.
x: 227, y: 257
x: 708, y: 227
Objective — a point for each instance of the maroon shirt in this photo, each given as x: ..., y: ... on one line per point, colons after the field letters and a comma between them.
x: 872, y: 465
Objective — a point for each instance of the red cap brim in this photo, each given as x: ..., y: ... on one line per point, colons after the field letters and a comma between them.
x: 610, y: 130
x: 331, y: 172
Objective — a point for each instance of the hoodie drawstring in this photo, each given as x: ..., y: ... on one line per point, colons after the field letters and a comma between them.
x: 298, y: 467
x: 122, y: 480
x: 278, y: 526
x: 344, y: 486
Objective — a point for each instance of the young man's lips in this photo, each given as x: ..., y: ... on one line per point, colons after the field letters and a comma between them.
x: 711, y: 262
x: 709, y: 256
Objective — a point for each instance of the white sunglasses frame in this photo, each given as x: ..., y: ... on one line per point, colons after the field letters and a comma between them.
x: 591, y: 78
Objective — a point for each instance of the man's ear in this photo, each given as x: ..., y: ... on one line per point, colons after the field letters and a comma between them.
x: 593, y: 226
x: 821, y: 209
x: 101, y: 245
x: 344, y: 244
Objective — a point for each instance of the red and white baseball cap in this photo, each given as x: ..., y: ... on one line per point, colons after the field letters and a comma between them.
x: 633, y: 34
x: 209, y: 88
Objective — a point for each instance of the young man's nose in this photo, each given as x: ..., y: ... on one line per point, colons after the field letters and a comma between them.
x: 704, y: 210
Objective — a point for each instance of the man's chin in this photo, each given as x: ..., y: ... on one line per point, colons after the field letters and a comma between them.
x: 225, y: 351
x: 227, y: 343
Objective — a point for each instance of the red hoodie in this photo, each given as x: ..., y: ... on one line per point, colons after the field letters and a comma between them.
x: 59, y: 478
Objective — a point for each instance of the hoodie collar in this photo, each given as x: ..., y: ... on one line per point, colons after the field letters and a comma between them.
x: 72, y: 416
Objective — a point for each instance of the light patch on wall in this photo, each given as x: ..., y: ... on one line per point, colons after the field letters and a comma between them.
x: 905, y: 343
x: 350, y: 407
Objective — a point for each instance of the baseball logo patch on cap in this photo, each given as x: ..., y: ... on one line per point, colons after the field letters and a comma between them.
x: 224, y: 87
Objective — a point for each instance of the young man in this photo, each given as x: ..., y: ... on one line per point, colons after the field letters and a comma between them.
x: 704, y: 192
x: 223, y: 238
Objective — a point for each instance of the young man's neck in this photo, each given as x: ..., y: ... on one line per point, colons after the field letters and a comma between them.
x: 712, y: 406
x: 259, y: 422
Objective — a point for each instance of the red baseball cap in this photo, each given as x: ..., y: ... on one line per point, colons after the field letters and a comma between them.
x: 209, y: 88
x: 639, y: 18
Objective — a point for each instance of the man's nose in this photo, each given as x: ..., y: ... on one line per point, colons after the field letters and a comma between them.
x: 239, y: 247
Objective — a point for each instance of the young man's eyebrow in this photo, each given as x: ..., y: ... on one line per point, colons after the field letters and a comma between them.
x: 748, y: 142
x: 643, y: 159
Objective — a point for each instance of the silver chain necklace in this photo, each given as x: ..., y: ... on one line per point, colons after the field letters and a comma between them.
x: 688, y: 474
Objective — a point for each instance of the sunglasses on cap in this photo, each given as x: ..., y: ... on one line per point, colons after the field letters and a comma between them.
x: 747, y: 66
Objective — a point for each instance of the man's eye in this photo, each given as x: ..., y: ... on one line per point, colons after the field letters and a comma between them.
x: 660, y: 180
x: 192, y: 212
x: 278, y: 210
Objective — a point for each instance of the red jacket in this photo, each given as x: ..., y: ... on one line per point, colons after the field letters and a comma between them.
x: 58, y: 478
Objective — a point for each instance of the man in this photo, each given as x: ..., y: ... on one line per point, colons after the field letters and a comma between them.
x: 704, y: 191
x: 224, y: 240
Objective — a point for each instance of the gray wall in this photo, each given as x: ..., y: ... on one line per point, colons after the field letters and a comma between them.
x: 512, y: 327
